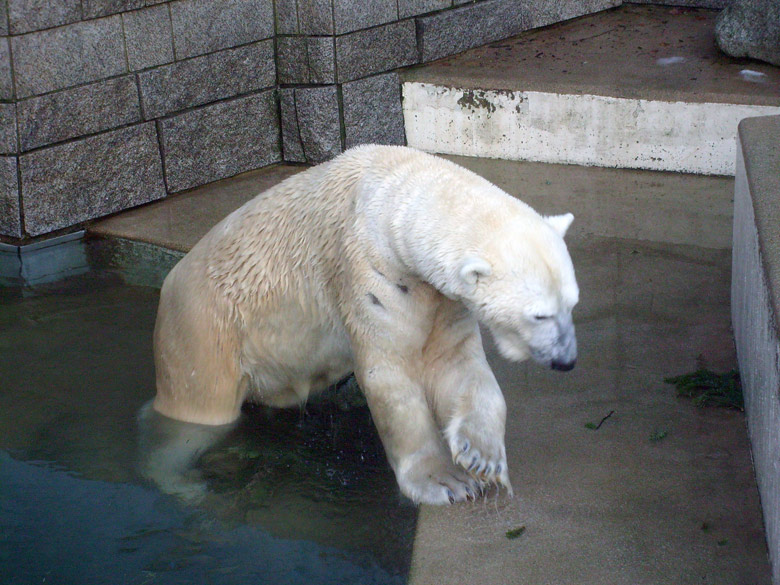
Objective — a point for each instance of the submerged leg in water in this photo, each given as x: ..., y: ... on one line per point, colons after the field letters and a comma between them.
x: 168, y: 450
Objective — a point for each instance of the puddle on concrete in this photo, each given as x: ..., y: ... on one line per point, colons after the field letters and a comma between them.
x: 291, y: 496
x: 663, y: 491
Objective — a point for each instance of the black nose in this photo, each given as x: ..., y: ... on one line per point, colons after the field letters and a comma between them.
x: 563, y: 366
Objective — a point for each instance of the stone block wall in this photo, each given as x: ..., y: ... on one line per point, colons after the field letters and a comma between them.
x: 108, y: 104
x: 336, y: 62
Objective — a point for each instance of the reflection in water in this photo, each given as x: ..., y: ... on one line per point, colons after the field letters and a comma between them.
x: 63, y: 529
x: 168, y: 451
x: 283, y: 496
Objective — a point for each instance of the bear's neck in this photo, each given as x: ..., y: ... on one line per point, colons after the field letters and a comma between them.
x: 432, y: 236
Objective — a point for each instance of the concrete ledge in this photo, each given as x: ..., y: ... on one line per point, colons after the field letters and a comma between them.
x: 590, y: 130
x: 755, y: 292
x: 177, y: 223
x: 637, y: 87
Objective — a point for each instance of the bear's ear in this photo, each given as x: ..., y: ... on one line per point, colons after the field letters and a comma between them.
x: 474, y: 267
x: 560, y: 223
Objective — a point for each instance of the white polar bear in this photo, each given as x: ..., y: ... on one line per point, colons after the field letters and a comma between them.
x: 382, y: 262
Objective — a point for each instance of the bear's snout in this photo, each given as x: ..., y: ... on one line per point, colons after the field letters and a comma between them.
x: 563, y: 366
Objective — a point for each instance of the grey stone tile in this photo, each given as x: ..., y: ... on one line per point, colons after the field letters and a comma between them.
x: 8, y: 141
x: 75, y: 112
x: 304, y: 60
x: 407, y: 8
x: 291, y: 60
x: 29, y: 15
x: 452, y: 31
x: 203, y: 26
x: 315, y: 17
x: 317, y: 111
x: 311, y: 127
x: 718, y: 4
x: 292, y: 145
x: 205, y: 79
x: 148, y: 37
x: 70, y: 55
x: 546, y: 12
x: 10, y: 219
x: 286, y: 17
x: 6, y: 80
x: 220, y: 140
x: 97, y: 8
x: 350, y: 18
x: 372, y: 111
x: 376, y: 50
x: 69, y: 183
x: 3, y: 17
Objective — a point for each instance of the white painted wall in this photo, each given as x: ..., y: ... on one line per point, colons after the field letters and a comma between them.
x: 575, y: 129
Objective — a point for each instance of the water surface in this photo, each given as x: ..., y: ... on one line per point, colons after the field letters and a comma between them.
x: 291, y: 496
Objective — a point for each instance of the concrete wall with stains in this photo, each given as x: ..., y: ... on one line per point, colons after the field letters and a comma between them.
x: 755, y: 299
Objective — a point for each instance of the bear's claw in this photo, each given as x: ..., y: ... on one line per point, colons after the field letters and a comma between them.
x: 486, y: 464
x: 433, y: 479
x: 451, y: 496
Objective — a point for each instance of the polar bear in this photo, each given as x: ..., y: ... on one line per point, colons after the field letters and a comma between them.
x: 382, y: 261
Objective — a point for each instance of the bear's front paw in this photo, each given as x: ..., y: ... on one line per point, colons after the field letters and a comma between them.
x: 480, y: 452
x: 433, y: 479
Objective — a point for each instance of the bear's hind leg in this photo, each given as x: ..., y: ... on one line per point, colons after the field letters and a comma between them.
x: 196, y: 357
x: 168, y: 450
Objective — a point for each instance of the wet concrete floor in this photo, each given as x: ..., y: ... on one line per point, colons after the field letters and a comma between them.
x: 663, y: 491
x: 645, y: 52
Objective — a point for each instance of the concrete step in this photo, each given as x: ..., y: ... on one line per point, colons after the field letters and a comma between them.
x: 629, y: 204
x: 636, y: 87
x: 177, y: 223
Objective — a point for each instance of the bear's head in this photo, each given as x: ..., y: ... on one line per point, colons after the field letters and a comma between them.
x: 521, y: 285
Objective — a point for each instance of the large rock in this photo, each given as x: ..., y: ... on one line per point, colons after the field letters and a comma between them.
x: 750, y: 28
x: 8, y: 142
x: 6, y: 82
x: 205, y: 26
x: 371, y: 13
x: 372, y: 111
x: 376, y: 50
x: 29, y: 15
x: 148, y: 37
x: 305, y: 60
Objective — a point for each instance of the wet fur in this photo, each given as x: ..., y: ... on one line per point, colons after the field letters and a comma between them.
x: 380, y: 262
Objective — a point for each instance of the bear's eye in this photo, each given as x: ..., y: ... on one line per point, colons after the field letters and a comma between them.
x: 542, y: 317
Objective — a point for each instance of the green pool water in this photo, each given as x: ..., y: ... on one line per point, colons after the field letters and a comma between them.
x: 290, y: 496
